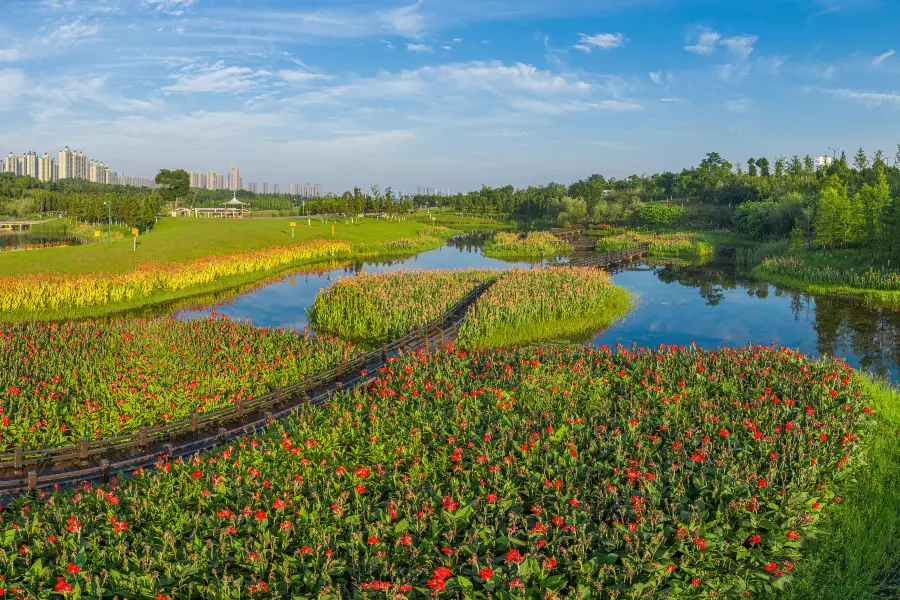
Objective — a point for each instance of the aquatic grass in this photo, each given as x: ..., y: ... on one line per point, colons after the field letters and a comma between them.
x: 60, y: 382
x: 526, y: 306
x: 661, y: 244
x: 879, y: 286
x: 667, y: 473
x: 379, y: 307
x: 533, y: 245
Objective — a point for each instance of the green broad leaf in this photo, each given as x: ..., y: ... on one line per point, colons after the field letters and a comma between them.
x: 610, y: 559
x: 222, y: 489
x: 37, y: 568
x: 401, y: 526
x: 767, y: 524
x: 464, y: 582
x: 554, y: 582
x: 463, y: 513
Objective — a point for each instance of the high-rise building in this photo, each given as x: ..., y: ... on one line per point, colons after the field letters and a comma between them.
x: 211, y: 180
x: 276, y: 189
x: 198, y: 180
x: 234, y: 179
x: 47, y: 168
x: 220, y: 181
x: 31, y: 164
x: 295, y: 189
x: 251, y: 187
x: 65, y: 164
x: 265, y: 188
x: 823, y: 162
x: 318, y: 191
x: 11, y: 164
x: 82, y: 166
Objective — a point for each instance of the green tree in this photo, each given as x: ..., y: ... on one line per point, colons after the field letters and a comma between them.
x: 832, y: 206
x: 763, y: 164
x: 174, y: 185
x: 860, y: 162
x: 751, y: 167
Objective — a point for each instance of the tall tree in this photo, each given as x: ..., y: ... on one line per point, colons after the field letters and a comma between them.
x: 832, y: 206
x: 860, y: 162
x: 174, y: 185
x: 751, y: 167
x: 763, y: 164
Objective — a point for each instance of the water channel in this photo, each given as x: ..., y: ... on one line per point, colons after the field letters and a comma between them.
x: 712, y: 305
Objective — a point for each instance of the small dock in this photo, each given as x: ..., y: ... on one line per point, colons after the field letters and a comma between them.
x: 19, y: 225
x: 607, y: 259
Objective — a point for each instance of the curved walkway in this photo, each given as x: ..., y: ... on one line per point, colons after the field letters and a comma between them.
x: 95, y: 460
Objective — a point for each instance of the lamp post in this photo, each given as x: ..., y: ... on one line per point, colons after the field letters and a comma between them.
x: 108, y: 224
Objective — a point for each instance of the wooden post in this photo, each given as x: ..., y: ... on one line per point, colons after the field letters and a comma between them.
x: 32, y: 481
x: 278, y: 397
x: 340, y: 370
x: 104, y: 470
x: 170, y: 450
x: 144, y: 436
x: 269, y: 418
x: 223, y: 433
x: 83, y: 449
x: 383, y: 354
x: 195, y: 422
x: 17, y: 460
x: 240, y: 408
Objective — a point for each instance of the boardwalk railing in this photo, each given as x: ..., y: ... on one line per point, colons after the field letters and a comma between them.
x: 603, y: 259
x: 27, y: 470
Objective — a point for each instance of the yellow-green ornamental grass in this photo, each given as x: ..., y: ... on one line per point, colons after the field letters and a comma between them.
x: 533, y: 245
x: 661, y: 244
x: 544, y: 304
x: 383, y: 306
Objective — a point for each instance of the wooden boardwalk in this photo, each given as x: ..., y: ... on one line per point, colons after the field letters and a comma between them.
x: 96, y: 460
x: 21, y: 225
x: 606, y: 259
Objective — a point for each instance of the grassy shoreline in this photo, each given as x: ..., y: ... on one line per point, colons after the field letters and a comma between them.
x: 537, y: 244
x: 391, y: 249
x: 854, y: 558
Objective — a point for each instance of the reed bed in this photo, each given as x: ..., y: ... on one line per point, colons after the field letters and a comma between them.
x: 661, y: 244
x: 527, y: 306
x: 533, y: 245
x: 379, y: 307
x: 60, y: 382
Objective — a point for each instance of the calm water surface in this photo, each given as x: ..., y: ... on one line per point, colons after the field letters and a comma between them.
x: 711, y: 305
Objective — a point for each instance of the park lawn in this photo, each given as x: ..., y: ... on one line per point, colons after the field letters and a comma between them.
x: 185, y: 239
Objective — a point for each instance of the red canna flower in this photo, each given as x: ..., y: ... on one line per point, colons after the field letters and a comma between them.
x: 491, y: 498
x: 73, y: 569
x: 485, y: 574
x: 62, y: 586
x: 513, y: 556
x: 372, y: 540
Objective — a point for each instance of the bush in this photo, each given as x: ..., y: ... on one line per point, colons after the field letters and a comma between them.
x: 659, y: 215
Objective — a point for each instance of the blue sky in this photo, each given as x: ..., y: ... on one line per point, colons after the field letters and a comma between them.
x: 445, y: 93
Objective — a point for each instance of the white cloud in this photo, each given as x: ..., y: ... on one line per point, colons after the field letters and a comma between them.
x: 298, y: 76
x: 72, y: 32
x: 867, y: 98
x: 563, y: 107
x: 407, y: 21
x: 707, y: 40
x: 13, y: 83
x: 660, y: 78
x: 216, y: 78
x: 706, y: 43
x: 172, y: 7
x: 878, y: 60
x: 739, y: 106
x: 740, y: 45
x: 603, y: 41
x: 11, y: 55
x: 420, y: 48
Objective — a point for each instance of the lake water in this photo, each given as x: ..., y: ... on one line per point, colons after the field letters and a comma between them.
x: 11, y: 241
x: 711, y: 305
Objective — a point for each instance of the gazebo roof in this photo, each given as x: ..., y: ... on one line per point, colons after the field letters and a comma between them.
x: 235, y: 202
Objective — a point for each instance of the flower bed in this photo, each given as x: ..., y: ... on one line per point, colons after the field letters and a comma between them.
x: 60, y: 382
x: 661, y: 244
x: 666, y: 473
x: 54, y: 292
x: 533, y: 245
x: 544, y: 304
x: 383, y: 306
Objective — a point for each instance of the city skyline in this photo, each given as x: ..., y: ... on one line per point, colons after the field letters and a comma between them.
x: 456, y: 94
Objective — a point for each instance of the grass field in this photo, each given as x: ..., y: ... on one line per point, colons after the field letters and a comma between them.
x: 181, y: 240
